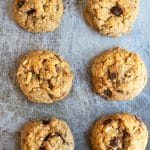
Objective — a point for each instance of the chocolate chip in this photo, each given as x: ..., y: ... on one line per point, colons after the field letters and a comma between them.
x: 44, y: 60
x: 20, y: 3
x: 45, y: 122
x: 50, y: 85
x: 125, y: 134
x: 31, y: 11
x: 112, y: 76
x: 47, y: 137
x: 57, y: 68
x: 108, y: 92
x: 114, y: 142
x: 116, y: 10
x: 120, y: 91
x: 107, y: 121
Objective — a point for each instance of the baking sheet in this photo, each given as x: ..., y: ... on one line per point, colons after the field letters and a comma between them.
x: 78, y: 43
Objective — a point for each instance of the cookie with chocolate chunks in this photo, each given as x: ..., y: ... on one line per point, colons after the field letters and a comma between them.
x: 53, y: 134
x: 118, y: 74
x: 44, y: 76
x: 38, y: 16
x: 120, y: 131
x: 111, y: 17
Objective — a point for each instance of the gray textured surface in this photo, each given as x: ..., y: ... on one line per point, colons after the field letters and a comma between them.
x: 78, y: 43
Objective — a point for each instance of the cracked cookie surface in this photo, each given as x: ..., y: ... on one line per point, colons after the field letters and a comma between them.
x: 120, y: 131
x: 118, y: 74
x: 111, y: 17
x: 53, y: 134
x: 44, y: 76
x: 38, y: 16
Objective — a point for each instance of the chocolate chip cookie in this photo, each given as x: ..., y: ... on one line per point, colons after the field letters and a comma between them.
x: 53, y: 134
x: 44, y: 76
x: 38, y: 16
x: 118, y: 74
x: 120, y: 131
x: 111, y: 17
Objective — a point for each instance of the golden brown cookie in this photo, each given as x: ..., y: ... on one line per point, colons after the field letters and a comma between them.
x: 44, y: 76
x: 120, y: 131
x: 118, y: 74
x: 53, y: 134
x: 111, y: 17
x: 38, y: 16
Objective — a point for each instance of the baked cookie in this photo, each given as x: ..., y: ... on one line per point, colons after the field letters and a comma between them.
x: 120, y: 131
x: 53, y: 134
x: 111, y: 17
x: 44, y: 76
x: 118, y: 74
x: 38, y: 16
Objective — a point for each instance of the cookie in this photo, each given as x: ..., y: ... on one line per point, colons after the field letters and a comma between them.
x: 44, y: 76
x: 120, y: 131
x: 111, y: 17
x: 118, y: 74
x: 38, y: 16
x: 53, y: 134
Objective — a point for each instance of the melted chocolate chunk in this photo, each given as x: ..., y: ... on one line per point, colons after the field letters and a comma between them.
x: 57, y: 68
x: 116, y: 10
x: 120, y: 91
x: 125, y: 134
x: 112, y: 76
x: 20, y: 3
x: 31, y: 11
x: 45, y: 122
x: 50, y: 84
x: 44, y: 60
x: 114, y: 142
x: 108, y: 93
x: 47, y: 137
x: 107, y: 121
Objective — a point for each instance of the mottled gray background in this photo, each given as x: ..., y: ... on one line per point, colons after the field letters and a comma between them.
x: 78, y: 43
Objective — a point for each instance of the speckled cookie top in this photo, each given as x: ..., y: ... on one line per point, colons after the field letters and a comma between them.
x: 53, y: 134
x: 38, y: 16
x: 121, y: 131
x: 111, y: 17
x: 44, y: 76
x: 118, y: 74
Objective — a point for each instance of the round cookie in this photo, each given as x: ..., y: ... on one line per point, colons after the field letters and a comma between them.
x: 120, y: 131
x: 53, y: 134
x: 111, y: 17
x: 118, y: 74
x: 44, y: 76
x: 38, y: 16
